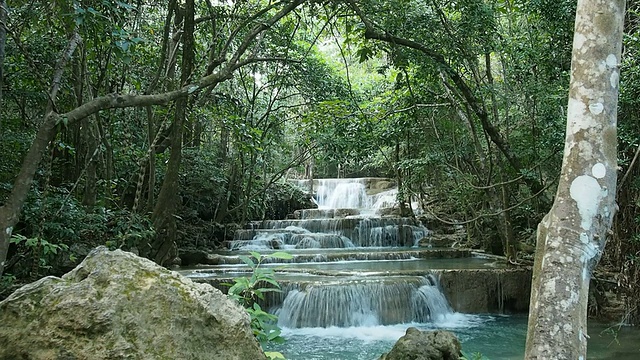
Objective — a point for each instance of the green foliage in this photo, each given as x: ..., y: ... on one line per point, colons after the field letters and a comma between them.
x: 49, y: 250
x: 64, y: 230
x: 248, y: 291
x: 281, y: 199
x: 274, y: 355
x: 205, y: 183
x: 56, y: 215
x: 128, y: 230
x: 7, y: 284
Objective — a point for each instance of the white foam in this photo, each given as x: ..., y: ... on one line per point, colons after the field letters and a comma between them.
x: 450, y: 321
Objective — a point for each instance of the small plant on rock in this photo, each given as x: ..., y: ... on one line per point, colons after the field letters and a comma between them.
x: 249, y: 290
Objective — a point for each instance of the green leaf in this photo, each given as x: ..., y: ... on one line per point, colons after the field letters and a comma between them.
x: 247, y: 260
x: 31, y: 242
x: 274, y: 355
x: 281, y: 255
x: 64, y: 120
x: 124, y: 5
x: 17, y: 238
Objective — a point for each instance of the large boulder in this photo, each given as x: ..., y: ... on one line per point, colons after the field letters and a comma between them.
x: 425, y: 345
x: 115, y: 305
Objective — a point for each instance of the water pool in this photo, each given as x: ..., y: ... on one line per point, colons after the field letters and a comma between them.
x: 496, y: 337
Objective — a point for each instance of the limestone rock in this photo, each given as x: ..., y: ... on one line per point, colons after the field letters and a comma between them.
x: 425, y: 345
x: 115, y: 305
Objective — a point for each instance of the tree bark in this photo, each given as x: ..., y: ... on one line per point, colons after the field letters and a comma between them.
x: 3, y: 41
x: 10, y: 211
x: 90, y: 193
x: 164, y: 247
x: 151, y: 129
x: 572, y: 235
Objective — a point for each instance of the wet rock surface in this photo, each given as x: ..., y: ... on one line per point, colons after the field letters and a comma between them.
x: 425, y: 345
x: 115, y: 305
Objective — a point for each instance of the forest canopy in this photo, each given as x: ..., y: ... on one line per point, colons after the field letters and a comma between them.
x: 154, y: 125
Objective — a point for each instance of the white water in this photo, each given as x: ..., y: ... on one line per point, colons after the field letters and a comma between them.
x: 369, y: 342
x: 496, y: 337
x: 363, y: 303
x: 341, y: 194
x: 369, y: 333
x: 339, y: 201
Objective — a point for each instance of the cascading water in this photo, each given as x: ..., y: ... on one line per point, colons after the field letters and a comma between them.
x: 356, y: 280
x: 363, y: 303
x: 341, y: 194
x: 347, y: 210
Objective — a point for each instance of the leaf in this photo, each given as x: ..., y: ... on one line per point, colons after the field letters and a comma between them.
x: 17, y: 238
x: 271, y: 281
x: 124, y: 5
x: 64, y: 120
x: 274, y: 355
x: 281, y: 255
x: 247, y: 260
x: 31, y: 242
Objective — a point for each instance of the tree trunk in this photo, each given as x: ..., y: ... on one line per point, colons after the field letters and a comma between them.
x: 91, y: 158
x: 152, y: 160
x: 572, y: 235
x: 164, y: 248
x: 108, y: 157
x: 3, y: 41
x: 10, y: 211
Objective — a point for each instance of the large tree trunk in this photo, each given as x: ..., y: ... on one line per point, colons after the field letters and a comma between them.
x: 164, y: 248
x: 572, y: 235
x: 10, y: 211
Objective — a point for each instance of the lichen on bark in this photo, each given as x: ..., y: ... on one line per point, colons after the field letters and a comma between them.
x: 572, y: 235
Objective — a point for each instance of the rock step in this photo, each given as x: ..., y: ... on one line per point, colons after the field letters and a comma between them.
x: 475, y: 291
x: 326, y: 256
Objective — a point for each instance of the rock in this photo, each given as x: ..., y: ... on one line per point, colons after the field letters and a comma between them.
x: 425, y: 345
x: 439, y: 240
x: 340, y: 213
x: 388, y: 211
x: 192, y: 257
x: 115, y: 305
x: 309, y: 214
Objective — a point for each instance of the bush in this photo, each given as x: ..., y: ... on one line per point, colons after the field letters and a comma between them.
x: 248, y: 291
x: 56, y: 232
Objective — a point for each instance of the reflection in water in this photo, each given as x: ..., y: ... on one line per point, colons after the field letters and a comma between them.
x: 496, y: 337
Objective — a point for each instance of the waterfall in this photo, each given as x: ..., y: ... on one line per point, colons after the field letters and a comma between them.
x: 345, y: 219
x: 362, y: 303
x: 341, y: 194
